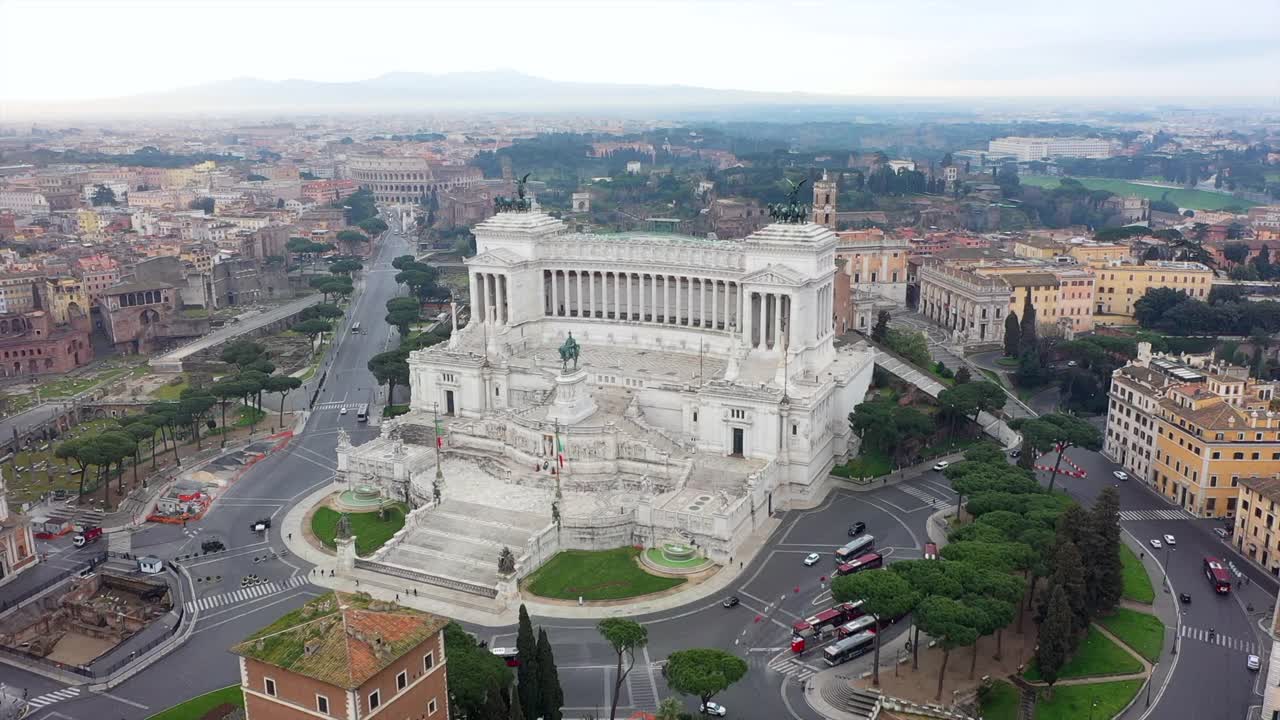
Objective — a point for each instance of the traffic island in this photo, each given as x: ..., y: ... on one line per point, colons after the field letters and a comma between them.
x: 597, y: 575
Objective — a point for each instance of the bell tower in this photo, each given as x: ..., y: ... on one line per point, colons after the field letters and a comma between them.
x: 825, y: 193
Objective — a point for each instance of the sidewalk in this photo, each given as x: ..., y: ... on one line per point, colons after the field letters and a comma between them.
x: 1166, y: 608
x: 475, y: 609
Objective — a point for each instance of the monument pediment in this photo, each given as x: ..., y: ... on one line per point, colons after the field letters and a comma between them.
x: 498, y: 257
x: 774, y: 275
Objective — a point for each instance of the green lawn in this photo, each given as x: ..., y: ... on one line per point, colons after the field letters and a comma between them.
x: 1141, y: 631
x: 1001, y: 702
x: 995, y: 377
x: 597, y: 575
x: 171, y: 391
x: 1096, y: 656
x: 869, y: 463
x: 370, y: 531
x: 1194, y: 199
x: 391, y: 411
x: 196, y: 707
x: 1007, y: 362
x: 1072, y: 702
x: 1137, y: 585
x: 947, y: 447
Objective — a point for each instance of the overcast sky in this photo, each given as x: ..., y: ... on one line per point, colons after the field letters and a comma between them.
x: 70, y: 50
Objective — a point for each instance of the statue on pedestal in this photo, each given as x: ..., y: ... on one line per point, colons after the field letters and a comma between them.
x: 506, y: 561
x: 344, y: 526
x: 569, y: 351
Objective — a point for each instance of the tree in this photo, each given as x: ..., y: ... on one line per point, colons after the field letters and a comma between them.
x: 669, y: 709
x: 963, y: 375
x: 205, y: 204
x: 550, y: 694
x: 625, y: 637
x: 1069, y: 575
x: 1105, y: 571
x: 140, y: 429
x: 226, y: 391
x: 885, y: 595
x: 1056, y: 431
x: 166, y: 416
x: 704, y: 672
x: 372, y: 226
x: 243, y: 353
x: 1149, y: 309
x: 103, y: 195
x: 345, y: 267
x: 514, y: 711
x: 1027, y: 329
x: 1056, y: 637
x: 403, y: 312
x: 475, y: 674
x: 950, y: 623
x: 1012, y: 335
x: 193, y: 405
x: 881, y: 328
x: 282, y: 385
x: 312, y: 328
x: 527, y: 650
x: 74, y: 449
x: 391, y: 368
x: 1237, y: 253
x: 323, y: 311
x: 351, y: 238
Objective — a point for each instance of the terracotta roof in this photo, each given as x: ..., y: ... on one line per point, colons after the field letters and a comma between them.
x: 342, y: 639
x: 1031, y: 279
x: 1210, y: 417
x: 1268, y: 487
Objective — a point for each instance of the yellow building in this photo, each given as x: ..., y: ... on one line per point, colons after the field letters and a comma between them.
x: 1096, y: 253
x: 1205, y: 445
x: 67, y: 299
x: 1121, y: 283
x: 88, y: 221
x: 1256, y: 533
x: 1058, y: 294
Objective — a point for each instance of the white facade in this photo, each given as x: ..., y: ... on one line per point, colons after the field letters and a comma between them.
x: 761, y: 308
x: 1026, y: 149
x: 24, y: 202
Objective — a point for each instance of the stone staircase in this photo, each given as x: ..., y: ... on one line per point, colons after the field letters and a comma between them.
x: 1027, y: 698
x: 856, y: 701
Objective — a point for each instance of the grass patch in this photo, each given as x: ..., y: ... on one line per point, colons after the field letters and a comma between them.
x: 597, y: 575
x: 950, y: 446
x: 1194, y: 199
x: 371, y: 531
x: 246, y: 416
x: 195, y: 313
x: 1141, y: 631
x: 391, y: 411
x: 196, y: 707
x: 1097, y: 656
x: 1007, y: 362
x: 1072, y: 702
x: 869, y: 463
x: 1000, y: 702
x: 170, y: 391
x: 995, y: 377
x: 1137, y: 585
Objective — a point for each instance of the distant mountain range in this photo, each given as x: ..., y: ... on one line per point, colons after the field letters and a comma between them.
x: 502, y: 90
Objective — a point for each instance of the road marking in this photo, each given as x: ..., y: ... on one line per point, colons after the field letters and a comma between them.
x: 915, y: 541
x: 126, y: 701
x: 1226, y: 641
x: 766, y: 649
x: 253, y: 591
x: 792, y: 667
x: 50, y: 698
x: 285, y: 598
x: 923, y: 496
x: 1165, y: 514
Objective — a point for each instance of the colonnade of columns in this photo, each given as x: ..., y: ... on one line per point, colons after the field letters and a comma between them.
x: 489, y: 298
x: 768, y: 325
x: 642, y: 297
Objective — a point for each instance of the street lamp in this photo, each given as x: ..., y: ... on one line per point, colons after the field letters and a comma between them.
x: 1167, y: 586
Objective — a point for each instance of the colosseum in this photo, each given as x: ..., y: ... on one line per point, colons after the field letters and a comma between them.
x: 407, y: 179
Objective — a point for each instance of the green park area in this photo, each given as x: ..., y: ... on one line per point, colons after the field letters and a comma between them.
x: 372, y: 529
x: 1096, y: 656
x: 1141, y: 631
x: 1137, y: 586
x: 870, y: 463
x: 1000, y: 702
x: 658, y: 557
x: 597, y: 575
x: 1096, y: 700
x: 1194, y: 199
x: 202, y: 706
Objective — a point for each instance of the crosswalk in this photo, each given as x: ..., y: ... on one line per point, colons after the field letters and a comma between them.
x: 249, y: 593
x: 336, y: 405
x: 644, y: 696
x: 791, y: 666
x: 922, y: 495
x: 120, y: 542
x: 1163, y: 514
x: 50, y: 698
x: 1244, y: 646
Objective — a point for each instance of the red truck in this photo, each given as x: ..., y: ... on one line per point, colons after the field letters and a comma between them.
x: 90, y: 534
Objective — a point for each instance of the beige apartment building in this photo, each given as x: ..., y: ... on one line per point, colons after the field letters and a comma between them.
x: 1121, y: 283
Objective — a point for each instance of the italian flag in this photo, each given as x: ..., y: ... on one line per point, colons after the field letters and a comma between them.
x: 439, y: 435
x: 560, y: 450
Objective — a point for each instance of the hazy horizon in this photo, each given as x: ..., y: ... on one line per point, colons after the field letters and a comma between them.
x: 915, y: 48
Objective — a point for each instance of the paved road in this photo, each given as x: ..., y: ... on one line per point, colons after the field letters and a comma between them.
x: 1210, y: 679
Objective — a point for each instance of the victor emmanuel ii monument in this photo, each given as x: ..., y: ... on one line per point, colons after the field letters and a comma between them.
x: 616, y: 389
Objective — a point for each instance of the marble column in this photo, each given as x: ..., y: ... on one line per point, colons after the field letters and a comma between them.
x: 555, y: 294
x: 499, y: 282
x: 715, y: 291
x: 476, y: 305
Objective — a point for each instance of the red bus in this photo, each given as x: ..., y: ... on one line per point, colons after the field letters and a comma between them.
x: 826, y: 621
x: 1218, y: 575
x: 866, y: 623
x: 930, y: 551
x: 870, y: 561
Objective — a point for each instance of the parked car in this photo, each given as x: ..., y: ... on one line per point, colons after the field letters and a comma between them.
x: 1222, y: 533
x: 1121, y: 475
x: 713, y: 709
x: 812, y: 559
x: 1016, y: 453
x: 857, y: 528
x: 1168, y: 540
x: 941, y: 465
x: 1253, y: 662
x: 1155, y: 543
x: 731, y: 601
x: 343, y: 411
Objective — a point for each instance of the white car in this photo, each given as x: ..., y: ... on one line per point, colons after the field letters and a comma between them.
x: 1168, y: 540
x: 1121, y: 475
x: 343, y: 411
x: 713, y: 709
x: 812, y: 559
x: 1253, y: 663
x: 942, y: 465
x: 1155, y: 543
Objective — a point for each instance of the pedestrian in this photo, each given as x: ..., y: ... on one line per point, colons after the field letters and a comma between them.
x: 740, y: 564
x: 357, y: 582
x: 290, y: 536
x: 397, y: 597
x: 1142, y: 556
x: 415, y: 592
